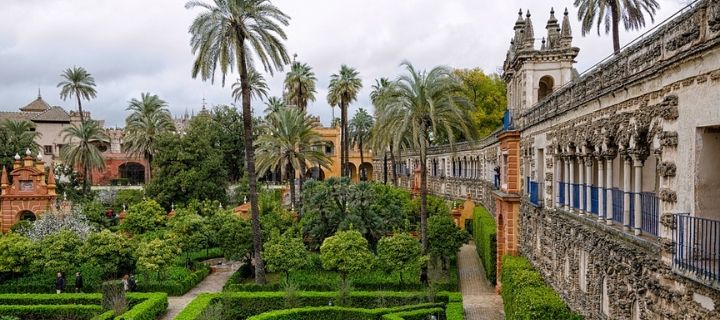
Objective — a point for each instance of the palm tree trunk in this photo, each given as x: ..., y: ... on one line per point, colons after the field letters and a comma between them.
x: 343, y: 133
x: 148, y: 172
x: 615, y: 11
x: 82, y: 117
x: 423, y: 201
x: 300, y: 187
x: 346, y: 140
x: 291, y: 175
x: 394, y: 166
x: 362, y: 159
x: 250, y: 161
x: 385, y: 168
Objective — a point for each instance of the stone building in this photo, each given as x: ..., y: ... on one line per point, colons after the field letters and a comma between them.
x: 25, y: 192
x: 612, y: 189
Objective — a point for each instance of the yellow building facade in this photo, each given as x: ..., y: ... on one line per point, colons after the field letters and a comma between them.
x: 332, y: 137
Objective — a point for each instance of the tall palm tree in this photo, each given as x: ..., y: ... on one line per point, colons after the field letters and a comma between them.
x: 273, y: 104
x: 425, y: 105
x: 149, y: 119
x: 79, y: 83
x: 81, y: 149
x: 611, y: 12
x: 230, y: 33
x: 258, y: 87
x: 381, y: 138
x: 300, y: 85
x: 360, y: 127
x: 343, y: 90
x: 290, y: 141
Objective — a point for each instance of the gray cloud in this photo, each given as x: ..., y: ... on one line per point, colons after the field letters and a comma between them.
x: 139, y: 46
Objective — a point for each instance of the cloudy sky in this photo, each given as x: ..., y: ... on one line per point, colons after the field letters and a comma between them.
x: 134, y: 46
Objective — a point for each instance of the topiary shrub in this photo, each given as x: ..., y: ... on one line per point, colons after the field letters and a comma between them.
x: 485, y: 234
x: 113, y: 297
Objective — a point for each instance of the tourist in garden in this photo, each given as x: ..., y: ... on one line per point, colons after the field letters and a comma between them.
x: 59, y: 283
x: 132, y: 283
x: 78, y: 282
x: 126, y: 282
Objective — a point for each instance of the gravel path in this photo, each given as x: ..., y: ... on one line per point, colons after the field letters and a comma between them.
x: 212, y: 283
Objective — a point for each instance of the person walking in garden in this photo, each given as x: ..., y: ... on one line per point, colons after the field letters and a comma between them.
x: 126, y: 282
x: 78, y: 282
x: 59, y: 283
x: 132, y: 283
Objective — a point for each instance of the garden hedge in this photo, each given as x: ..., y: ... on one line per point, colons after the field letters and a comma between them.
x: 527, y: 296
x: 79, y: 306
x: 337, y: 313
x: 177, y: 284
x: 419, y: 314
x: 248, y: 304
x: 486, y: 241
x: 52, y: 311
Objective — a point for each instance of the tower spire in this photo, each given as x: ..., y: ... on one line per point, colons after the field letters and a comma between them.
x: 553, y: 31
x: 529, y: 42
x: 39, y: 95
x: 566, y: 32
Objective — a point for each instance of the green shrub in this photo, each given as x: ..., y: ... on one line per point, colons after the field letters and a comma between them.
x: 419, y: 314
x: 151, y: 308
x: 454, y: 311
x: 177, y: 280
x: 486, y: 241
x: 242, y: 305
x: 51, y: 312
x: 146, y: 306
x: 527, y: 296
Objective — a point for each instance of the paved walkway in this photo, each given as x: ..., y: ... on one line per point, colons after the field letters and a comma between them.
x: 479, y: 298
x: 212, y: 283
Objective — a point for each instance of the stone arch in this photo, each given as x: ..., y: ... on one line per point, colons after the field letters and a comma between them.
x: 353, y: 171
x: 26, y: 215
x: 366, y: 171
x: 545, y: 87
x: 316, y: 173
x: 133, y: 172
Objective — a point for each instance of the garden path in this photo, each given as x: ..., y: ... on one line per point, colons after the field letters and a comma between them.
x: 479, y: 298
x: 214, y: 282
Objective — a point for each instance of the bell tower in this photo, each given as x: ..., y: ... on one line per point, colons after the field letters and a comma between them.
x: 534, y: 73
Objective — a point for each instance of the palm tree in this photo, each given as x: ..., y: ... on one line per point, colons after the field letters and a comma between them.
x: 149, y: 119
x: 425, y: 105
x: 258, y: 86
x: 290, y: 141
x: 230, y: 32
x: 360, y: 127
x: 273, y: 104
x: 15, y: 137
x: 343, y: 90
x: 300, y: 85
x: 79, y: 83
x: 611, y: 12
x: 381, y: 138
x: 81, y: 149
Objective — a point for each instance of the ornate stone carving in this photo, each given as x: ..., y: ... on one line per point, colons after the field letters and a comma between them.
x: 668, y: 139
x: 668, y: 195
x: 668, y: 221
x: 667, y: 169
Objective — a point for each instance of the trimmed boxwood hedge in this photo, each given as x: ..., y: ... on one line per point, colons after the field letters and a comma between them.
x: 146, y: 306
x: 419, y: 314
x: 247, y: 304
x: 485, y: 236
x: 52, y: 311
x: 454, y: 311
x: 527, y: 296
x: 336, y: 312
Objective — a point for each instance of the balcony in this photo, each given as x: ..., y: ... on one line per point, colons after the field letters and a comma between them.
x: 697, y: 248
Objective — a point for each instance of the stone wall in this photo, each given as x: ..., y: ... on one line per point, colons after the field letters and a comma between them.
x: 627, y: 270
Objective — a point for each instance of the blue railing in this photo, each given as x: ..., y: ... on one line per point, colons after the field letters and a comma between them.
x: 697, y: 247
x: 506, y: 121
x: 650, y: 208
x: 496, y: 181
x: 576, y: 195
x: 535, y: 192
x: 618, y: 205
x: 585, y: 200
x: 594, y: 200
x: 561, y: 194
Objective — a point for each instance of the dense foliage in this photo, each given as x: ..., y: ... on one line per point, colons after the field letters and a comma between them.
x: 346, y: 252
x: 445, y: 238
x: 486, y: 241
x: 527, y: 296
x: 401, y: 253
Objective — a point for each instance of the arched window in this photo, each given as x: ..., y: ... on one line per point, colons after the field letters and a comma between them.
x: 133, y: 172
x: 545, y: 87
x: 26, y: 215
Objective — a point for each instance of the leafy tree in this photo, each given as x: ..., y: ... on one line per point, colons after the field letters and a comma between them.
x: 16, y: 136
x: 346, y: 252
x: 445, y: 238
x: 228, y: 136
x: 68, y: 183
x: 81, y: 149
x: 126, y: 197
x: 143, y: 217
x: 156, y: 255
x: 149, y: 119
x: 273, y: 104
x: 230, y: 32
x: 381, y: 137
x: 290, y: 140
x: 189, y: 166
x: 189, y: 231
x: 360, y: 127
x: 59, y: 252
x: 487, y: 95
x: 285, y: 253
x: 343, y: 90
x: 51, y: 224
x: 400, y: 252
x: 16, y: 253
x: 612, y: 12
x: 110, y: 251
x: 79, y: 83
x: 235, y: 238
x: 273, y: 217
x: 426, y: 105
x: 300, y: 85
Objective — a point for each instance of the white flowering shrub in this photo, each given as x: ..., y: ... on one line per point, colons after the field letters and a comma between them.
x: 53, y: 222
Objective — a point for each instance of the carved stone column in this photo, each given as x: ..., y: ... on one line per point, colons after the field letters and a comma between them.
x: 571, y: 179
x: 558, y: 178
x: 608, y: 194
x: 627, y: 187
x: 566, y: 179
x: 588, y: 182
x: 638, y: 164
x: 601, y: 190
x: 581, y: 183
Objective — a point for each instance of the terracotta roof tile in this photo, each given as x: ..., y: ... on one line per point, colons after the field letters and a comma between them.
x: 39, y: 105
x: 54, y: 114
